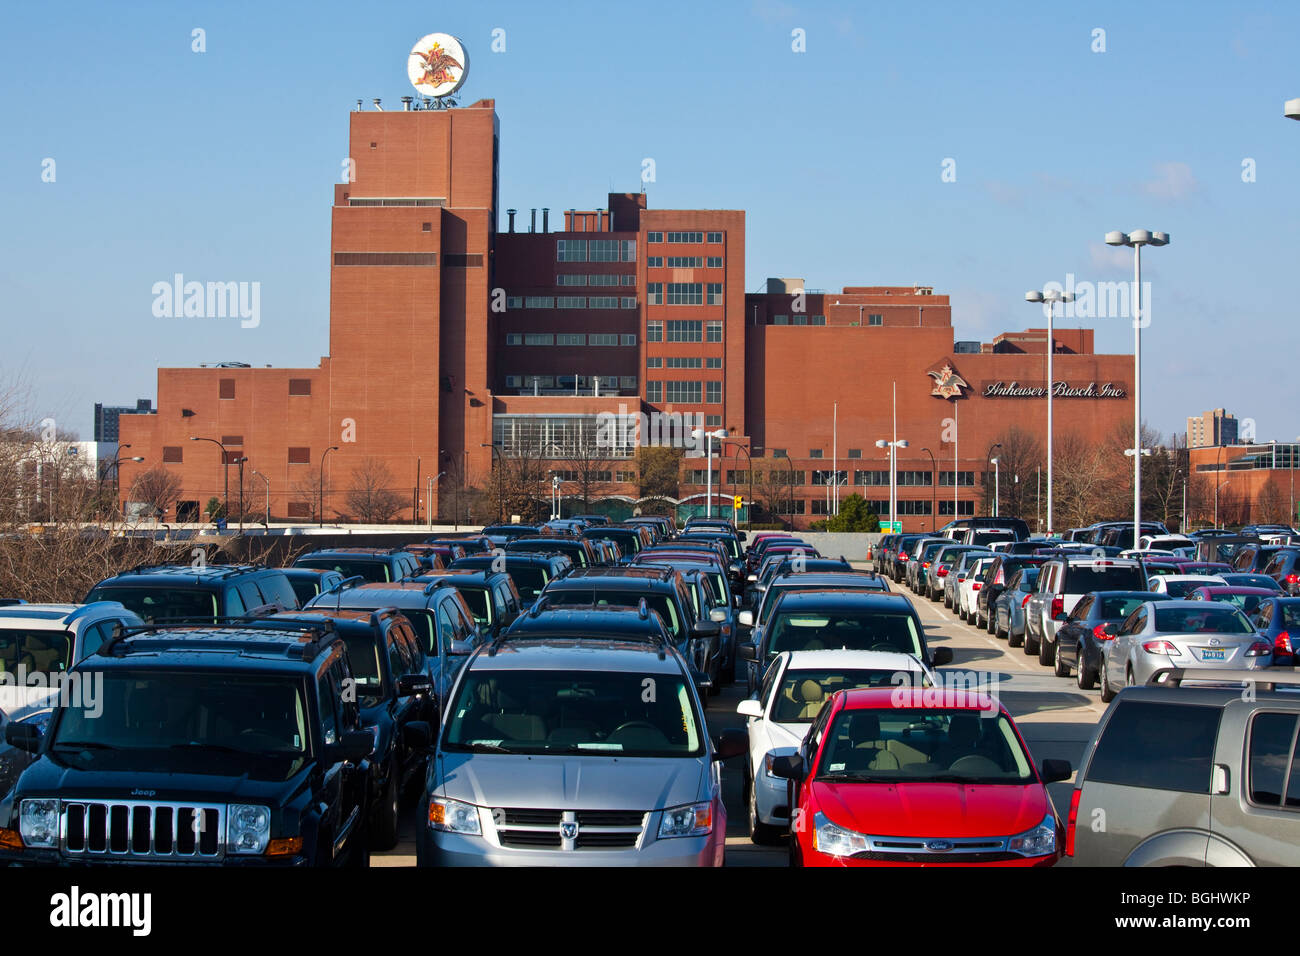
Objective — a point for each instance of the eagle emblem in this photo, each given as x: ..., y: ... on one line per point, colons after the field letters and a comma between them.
x: 437, y: 65
x: 947, y: 383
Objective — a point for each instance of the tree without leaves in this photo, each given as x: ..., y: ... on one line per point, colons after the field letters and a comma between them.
x: 659, y: 475
x: 157, y: 487
x: 371, y: 497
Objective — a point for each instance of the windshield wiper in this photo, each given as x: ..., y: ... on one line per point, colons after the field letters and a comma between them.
x: 223, y: 748
x: 84, y: 745
x: 483, y: 748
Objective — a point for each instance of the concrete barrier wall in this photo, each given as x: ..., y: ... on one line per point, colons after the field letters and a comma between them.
x: 832, y: 544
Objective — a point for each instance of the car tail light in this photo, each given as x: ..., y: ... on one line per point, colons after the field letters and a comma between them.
x: 961, y: 578
x: 977, y: 585
x: 925, y: 564
x: 1283, y: 643
x: 1099, y: 632
x: 1259, y: 649
x: 1025, y: 601
x: 998, y: 578
x: 1293, y: 579
x: 902, y: 556
x: 942, y: 572
x: 1160, y: 647
x: 1058, y: 606
x: 1073, y: 820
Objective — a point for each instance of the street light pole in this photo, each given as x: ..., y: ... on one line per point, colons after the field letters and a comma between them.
x: 749, y: 466
x: 240, y: 462
x: 321, y: 488
x: 1137, y: 239
x: 1049, y: 297
x: 225, y: 464
x: 996, y: 490
x: 893, y: 447
x: 989, y: 456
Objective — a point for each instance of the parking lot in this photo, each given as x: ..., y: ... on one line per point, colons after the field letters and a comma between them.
x: 1056, y: 718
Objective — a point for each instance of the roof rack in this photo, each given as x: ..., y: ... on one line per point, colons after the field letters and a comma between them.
x: 122, y: 634
x: 1267, y: 679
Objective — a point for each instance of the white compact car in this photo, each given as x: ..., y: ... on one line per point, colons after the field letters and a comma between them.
x: 794, y: 687
x: 1180, y: 585
x: 968, y: 591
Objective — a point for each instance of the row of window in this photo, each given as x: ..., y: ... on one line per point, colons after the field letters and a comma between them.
x: 684, y: 392
x: 595, y: 250
x: 684, y: 330
x: 798, y: 320
x: 570, y: 302
x: 297, y: 386
x: 602, y: 339
x: 175, y: 454
x: 684, y: 262
x: 572, y: 279
x: 683, y: 237
x: 569, y: 382
x: 683, y: 293
x: 676, y: 361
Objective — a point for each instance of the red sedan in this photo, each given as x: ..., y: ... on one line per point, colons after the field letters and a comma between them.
x: 919, y: 777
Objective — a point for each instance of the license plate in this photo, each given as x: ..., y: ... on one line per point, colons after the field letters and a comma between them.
x: 1212, y: 654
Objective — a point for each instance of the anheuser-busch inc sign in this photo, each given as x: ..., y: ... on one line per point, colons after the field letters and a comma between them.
x: 1059, y: 390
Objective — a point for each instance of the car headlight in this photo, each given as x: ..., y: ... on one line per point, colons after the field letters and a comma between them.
x: 38, y: 822
x: 836, y: 841
x: 248, y: 828
x: 454, y: 816
x: 767, y: 762
x: 1040, y: 841
x: 693, y: 820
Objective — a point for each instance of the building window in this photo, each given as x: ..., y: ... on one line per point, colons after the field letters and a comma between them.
x: 571, y: 250
x: 172, y: 455
x: 715, y: 262
x: 572, y: 280
x: 627, y: 381
x: 680, y: 362
x: 780, y: 320
x: 654, y: 331
x: 629, y: 302
x: 539, y: 302
x: 300, y: 456
x: 611, y: 279
x: 714, y: 331
x: 571, y: 302
x: 654, y: 293
x: 628, y: 280
x: 654, y: 262
x: 685, y: 262
x: 779, y: 453
x: 821, y: 478
x: 538, y: 338
x: 963, y: 507
x: 966, y: 478
x: 654, y: 391
x: 715, y: 237
x: 514, y: 338
x: 801, y: 320
x: 818, y: 320
x: 685, y: 237
x: 654, y: 361
x: 875, y: 319
x: 514, y: 381
x: 627, y: 250
x: 570, y: 338
x: 226, y: 388
x: 426, y: 227
x: 462, y: 260
x: 715, y: 362
x: 815, y: 453
x: 654, y: 237
x: 232, y: 439
x: 603, y: 338
x: 604, y: 302
x: 385, y: 258
x: 712, y: 421
x: 629, y: 340
x: 685, y: 293
x: 715, y: 293
x: 514, y: 302
x: 713, y: 393
x: 625, y: 477
x: 683, y: 330
x: 686, y: 393
x: 603, y: 250
x: 299, y: 386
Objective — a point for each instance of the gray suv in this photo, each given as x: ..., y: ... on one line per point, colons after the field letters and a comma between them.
x: 1192, y: 776
x: 576, y: 751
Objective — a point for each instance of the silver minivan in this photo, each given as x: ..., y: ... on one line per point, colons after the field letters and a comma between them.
x: 575, y: 751
x: 1192, y: 776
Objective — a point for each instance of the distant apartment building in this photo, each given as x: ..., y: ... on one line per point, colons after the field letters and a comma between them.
x: 1212, y: 428
x: 106, y: 418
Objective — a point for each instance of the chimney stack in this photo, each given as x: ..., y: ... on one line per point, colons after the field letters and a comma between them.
x: 511, y: 214
x: 406, y: 104
x: 532, y: 225
x: 546, y: 218
x: 377, y: 106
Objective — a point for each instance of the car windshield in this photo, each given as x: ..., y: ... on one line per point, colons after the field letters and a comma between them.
x: 566, y: 712
x: 376, y: 570
x: 1118, y: 608
x: 1082, y: 578
x: 662, y: 603
x: 1185, y: 620
x: 158, y: 604
x: 1253, y: 581
x: 802, y: 692
x: 923, y: 745
x: 1182, y: 588
x: 529, y: 581
x: 34, y: 652
x: 305, y: 588
x: 213, y: 715
x: 1248, y: 603
x: 363, y: 657
x: 847, y: 628
x: 477, y: 599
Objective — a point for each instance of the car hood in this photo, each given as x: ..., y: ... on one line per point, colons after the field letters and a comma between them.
x: 570, y: 782
x: 18, y: 701
x: 50, y: 777
x: 784, y: 737
x: 948, y: 810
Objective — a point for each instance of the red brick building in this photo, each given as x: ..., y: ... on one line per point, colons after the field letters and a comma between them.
x: 448, y: 333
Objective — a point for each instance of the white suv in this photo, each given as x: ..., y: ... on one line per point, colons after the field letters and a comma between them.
x: 968, y: 591
x: 793, y: 689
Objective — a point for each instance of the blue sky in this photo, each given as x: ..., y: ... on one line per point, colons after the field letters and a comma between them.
x: 220, y: 164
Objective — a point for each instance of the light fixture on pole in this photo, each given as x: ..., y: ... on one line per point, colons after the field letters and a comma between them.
x: 708, y: 437
x: 996, y: 489
x: 321, y: 488
x: 893, y: 447
x: 225, y: 464
x: 1137, y: 239
x: 1291, y: 110
x: 989, y: 456
x: 1048, y: 298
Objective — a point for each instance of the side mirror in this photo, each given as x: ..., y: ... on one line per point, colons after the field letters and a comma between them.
x: 737, y: 600
x: 25, y: 737
x: 418, y: 735
x: 941, y: 656
x: 750, y: 708
x: 751, y: 577
x: 461, y: 648
x: 409, y: 684
x: 705, y: 629
x: 355, y: 745
x: 729, y: 743
x: 718, y: 615
x: 1053, y: 771
x: 747, y: 652
x: 742, y: 536
x: 789, y: 766
x: 746, y: 618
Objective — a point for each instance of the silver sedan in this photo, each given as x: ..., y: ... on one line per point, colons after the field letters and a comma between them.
x: 1183, y: 634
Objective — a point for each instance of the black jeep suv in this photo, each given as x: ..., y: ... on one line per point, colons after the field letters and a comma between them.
x: 232, y: 743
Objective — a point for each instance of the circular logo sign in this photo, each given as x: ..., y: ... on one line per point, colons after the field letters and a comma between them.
x: 437, y: 65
